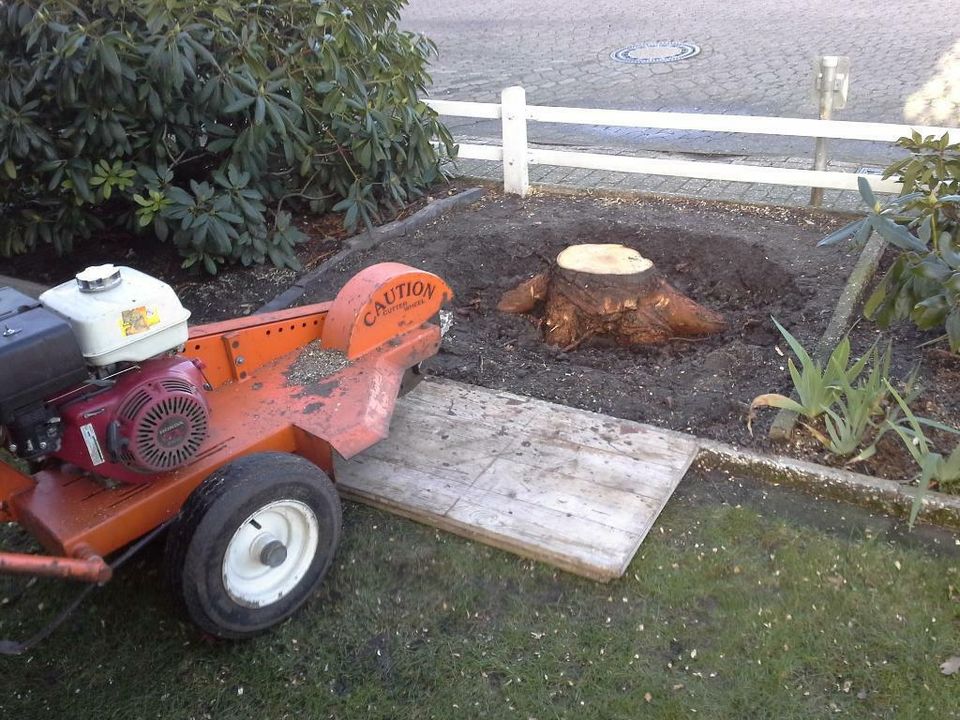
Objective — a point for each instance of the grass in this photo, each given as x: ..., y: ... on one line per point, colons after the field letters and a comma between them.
x: 724, y: 613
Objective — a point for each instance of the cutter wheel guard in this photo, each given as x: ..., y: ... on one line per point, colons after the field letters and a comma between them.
x: 225, y: 439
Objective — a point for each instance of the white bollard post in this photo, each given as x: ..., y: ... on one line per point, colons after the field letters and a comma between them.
x: 513, y: 116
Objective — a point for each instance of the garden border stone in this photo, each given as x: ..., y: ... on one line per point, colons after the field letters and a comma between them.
x: 887, y: 496
x: 368, y: 240
x: 845, y: 308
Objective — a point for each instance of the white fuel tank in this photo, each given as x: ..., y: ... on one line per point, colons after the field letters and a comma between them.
x: 120, y: 314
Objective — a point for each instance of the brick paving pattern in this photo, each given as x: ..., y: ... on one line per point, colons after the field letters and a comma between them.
x: 756, y: 58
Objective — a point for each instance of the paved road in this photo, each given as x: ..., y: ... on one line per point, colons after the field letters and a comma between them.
x: 756, y: 58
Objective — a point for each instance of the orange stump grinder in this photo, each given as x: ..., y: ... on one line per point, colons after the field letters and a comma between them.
x: 223, y: 434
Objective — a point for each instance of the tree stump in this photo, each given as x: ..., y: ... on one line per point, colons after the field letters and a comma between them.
x: 613, y: 291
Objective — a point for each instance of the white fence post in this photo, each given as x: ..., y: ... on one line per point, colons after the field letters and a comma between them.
x: 516, y: 156
x: 516, y: 177
x: 828, y: 76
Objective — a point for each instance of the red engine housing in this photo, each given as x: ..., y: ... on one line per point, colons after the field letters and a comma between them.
x: 153, y: 420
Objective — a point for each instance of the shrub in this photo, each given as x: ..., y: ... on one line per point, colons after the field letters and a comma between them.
x: 924, y: 223
x: 851, y: 398
x: 816, y: 386
x: 851, y: 406
x: 936, y: 470
x: 208, y: 122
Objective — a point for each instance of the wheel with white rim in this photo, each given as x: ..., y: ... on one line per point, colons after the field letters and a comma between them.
x: 253, y: 542
x: 270, y: 553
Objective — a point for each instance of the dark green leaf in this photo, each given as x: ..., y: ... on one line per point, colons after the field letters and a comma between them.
x: 931, y: 312
x: 953, y: 283
x: 350, y: 219
x: 844, y: 233
x: 863, y: 234
x: 876, y: 298
x: 948, y: 248
x: 952, y: 325
x: 220, y: 144
x: 179, y: 196
x: 931, y: 268
x: 231, y: 217
x: 343, y: 205
x: 866, y: 192
x: 896, y: 234
x: 160, y: 228
x: 239, y: 104
x: 108, y: 56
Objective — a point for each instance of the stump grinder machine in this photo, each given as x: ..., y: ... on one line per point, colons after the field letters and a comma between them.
x: 122, y: 423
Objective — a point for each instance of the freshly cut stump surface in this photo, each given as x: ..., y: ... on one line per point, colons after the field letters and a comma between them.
x: 609, y: 290
x: 605, y: 259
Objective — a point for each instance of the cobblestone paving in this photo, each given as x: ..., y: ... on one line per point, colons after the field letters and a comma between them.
x: 845, y: 201
x: 756, y: 58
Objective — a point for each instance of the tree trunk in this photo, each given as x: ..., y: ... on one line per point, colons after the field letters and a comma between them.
x: 612, y: 291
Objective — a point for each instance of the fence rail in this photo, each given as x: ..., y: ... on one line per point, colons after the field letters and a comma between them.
x: 513, y: 112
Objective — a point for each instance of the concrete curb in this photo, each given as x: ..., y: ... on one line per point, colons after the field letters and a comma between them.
x: 602, y: 191
x: 368, y: 240
x: 889, y: 497
x: 860, y: 276
x: 886, y: 496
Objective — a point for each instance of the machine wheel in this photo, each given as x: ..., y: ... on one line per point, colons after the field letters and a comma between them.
x: 253, y: 542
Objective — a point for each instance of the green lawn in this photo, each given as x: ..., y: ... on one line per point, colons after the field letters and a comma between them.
x: 725, y: 613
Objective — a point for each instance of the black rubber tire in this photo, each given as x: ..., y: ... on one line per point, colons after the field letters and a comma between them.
x: 199, y: 537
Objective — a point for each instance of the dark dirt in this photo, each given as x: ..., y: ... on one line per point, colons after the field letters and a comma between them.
x: 233, y: 292
x: 748, y: 263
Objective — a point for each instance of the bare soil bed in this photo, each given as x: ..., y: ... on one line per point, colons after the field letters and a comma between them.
x: 750, y: 263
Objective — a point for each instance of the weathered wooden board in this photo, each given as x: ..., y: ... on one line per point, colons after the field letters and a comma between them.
x: 569, y: 487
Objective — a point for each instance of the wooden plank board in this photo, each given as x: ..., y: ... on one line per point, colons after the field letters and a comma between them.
x: 568, y: 487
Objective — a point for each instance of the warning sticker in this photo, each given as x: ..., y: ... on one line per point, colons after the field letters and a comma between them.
x: 138, y: 320
x: 93, y: 445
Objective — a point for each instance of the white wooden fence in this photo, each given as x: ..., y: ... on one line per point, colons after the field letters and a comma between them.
x: 513, y: 112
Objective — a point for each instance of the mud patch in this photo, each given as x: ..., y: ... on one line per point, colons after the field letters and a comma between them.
x: 749, y: 264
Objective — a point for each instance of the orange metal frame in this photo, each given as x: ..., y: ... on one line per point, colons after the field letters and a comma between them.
x: 381, y: 322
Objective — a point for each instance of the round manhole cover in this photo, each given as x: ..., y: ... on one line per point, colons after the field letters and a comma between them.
x: 656, y: 51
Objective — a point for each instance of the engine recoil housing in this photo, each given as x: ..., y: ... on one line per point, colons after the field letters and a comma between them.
x: 155, y: 419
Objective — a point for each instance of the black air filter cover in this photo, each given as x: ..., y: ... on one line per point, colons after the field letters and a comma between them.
x: 39, y: 354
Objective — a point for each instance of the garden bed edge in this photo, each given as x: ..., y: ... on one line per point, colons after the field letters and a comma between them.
x: 367, y: 240
x: 888, y: 496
